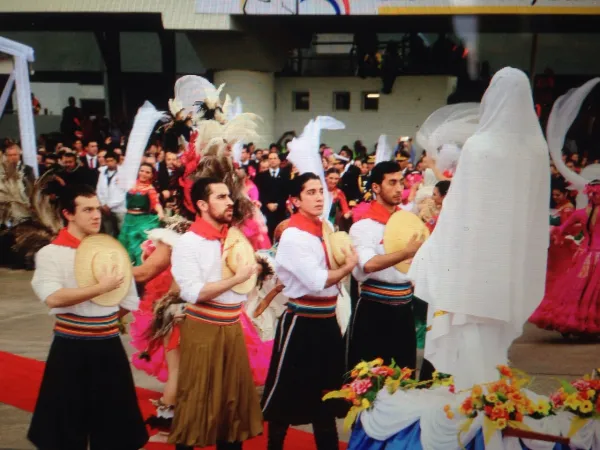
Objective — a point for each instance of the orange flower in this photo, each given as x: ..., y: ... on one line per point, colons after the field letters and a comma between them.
x: 501, y: 424
x: 499, y: 412
x: 519, y: 417
x: 477, y: 391
x: 505, y: 371
x: 516, y: 397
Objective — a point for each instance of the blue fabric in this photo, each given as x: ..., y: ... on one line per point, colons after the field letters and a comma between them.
x: 410, y: 439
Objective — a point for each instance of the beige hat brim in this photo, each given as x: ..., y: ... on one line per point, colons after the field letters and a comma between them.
x: 399, y: 230
x: 338, y: 243
x: 237, y: 249
x: 95, y: 255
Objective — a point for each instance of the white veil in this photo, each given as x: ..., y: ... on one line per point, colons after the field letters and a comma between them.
x: 486, y: 258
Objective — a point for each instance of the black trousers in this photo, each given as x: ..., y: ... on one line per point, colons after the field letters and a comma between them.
x: 87, y: 396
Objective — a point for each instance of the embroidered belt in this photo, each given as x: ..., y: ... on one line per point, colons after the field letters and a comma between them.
x: 388, y: 293
x: 309, y: 306
x: 78, y: 327
x: 214, y: 313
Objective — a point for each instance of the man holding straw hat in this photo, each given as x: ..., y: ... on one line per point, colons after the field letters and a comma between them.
x: 385, y: 239
x: 87, y: 396
x: 216, y: 398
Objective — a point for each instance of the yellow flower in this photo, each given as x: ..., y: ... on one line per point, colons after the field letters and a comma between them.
x: 572, y: 401
x: 365, y: 403
x: 491, y: 398
x: 361, y: 365
x: 543, y: 407
x: 477, y: 391
x: 376, y: 362
x: 363, y: 372
x: 591, y: 393
x: 586, y: 407
x: 501, y: 424
x: 450, y: 415
x: 510, y: 406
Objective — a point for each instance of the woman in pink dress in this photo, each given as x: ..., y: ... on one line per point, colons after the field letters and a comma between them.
x: 255, y: 227
x: 572, y: 304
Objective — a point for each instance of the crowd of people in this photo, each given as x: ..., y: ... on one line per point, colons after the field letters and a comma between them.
x: 177, y: 221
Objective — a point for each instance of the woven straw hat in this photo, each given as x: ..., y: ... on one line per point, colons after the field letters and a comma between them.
x: 399, y: 230
x: 237, y: 249
x: 97, y: 254
x: 336, y: 243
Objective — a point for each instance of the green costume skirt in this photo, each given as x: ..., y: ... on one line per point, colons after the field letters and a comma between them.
x: 133, y: 234
x: 420, y: 312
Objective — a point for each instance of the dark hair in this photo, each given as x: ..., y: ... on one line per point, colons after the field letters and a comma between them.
x: 297, y: 185
x: 443, y: 187
x: 201, y: 190
x: 69, y: 155
x: 380, y: 170
x: 70, y: 194
x: 88, y: 142
x: 348, y: 152
x: 332, y: 170
x: 113, y: 155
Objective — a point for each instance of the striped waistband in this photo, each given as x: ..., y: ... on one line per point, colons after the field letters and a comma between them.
x: 308, y: 306
x: 388, y: 293
x: 73, y: 326
x: 214, y: 313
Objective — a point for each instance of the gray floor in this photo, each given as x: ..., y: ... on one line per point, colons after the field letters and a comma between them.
x: 25, y: 329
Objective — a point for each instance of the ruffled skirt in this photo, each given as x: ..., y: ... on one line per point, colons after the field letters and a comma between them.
x: 133, y: 234
x: 572, y: 305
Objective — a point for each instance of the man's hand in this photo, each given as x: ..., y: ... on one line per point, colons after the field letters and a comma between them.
x: 105, y: 210
x: 166, y: 194
x: 272, y: 207
x: 414, y: 244
x: 351, y: 257
x: 245, y: 272
x: 348, y: 215
x: 110, y: 280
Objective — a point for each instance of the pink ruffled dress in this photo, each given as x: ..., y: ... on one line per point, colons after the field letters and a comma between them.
x: 572, y: 302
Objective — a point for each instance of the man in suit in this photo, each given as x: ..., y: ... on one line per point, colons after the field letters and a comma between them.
x: 273, y: 187
x: 90, y: 163
x: 168, y: 182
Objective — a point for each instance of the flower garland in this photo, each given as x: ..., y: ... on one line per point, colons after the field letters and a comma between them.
x: 581, y: 398
x: 502, y: 403
x: 368, y: 378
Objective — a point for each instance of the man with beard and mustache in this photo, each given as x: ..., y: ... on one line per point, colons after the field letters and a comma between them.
x: 216, y: 399
x: 386, y: 293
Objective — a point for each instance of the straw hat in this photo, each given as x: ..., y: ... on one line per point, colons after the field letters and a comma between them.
x: 95, y: 255
x: 336, y: 243
x: 238, y: 250
x: 399, y: 230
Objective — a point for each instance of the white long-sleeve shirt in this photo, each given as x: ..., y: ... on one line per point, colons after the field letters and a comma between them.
x: 301, y: 266
x: 367, y: 237
x: 196, y: 261
x: 111, y: 194
x: 54, y: 270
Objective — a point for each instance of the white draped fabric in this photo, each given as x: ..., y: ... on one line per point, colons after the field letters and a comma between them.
x: 384, y: 152
x: 484, y: 265
x: 394, y: 412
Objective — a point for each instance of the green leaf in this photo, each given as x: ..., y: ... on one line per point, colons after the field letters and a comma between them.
x: 567, y: 387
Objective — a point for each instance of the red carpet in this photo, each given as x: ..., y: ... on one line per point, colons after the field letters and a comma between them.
x: 20, y: 380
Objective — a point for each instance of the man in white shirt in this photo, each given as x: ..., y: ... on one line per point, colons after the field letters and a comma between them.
x: 111, y: 196
x: 87, y: 396
x: 308, y: 353
x: 216, y: 401
x: 383, y: 323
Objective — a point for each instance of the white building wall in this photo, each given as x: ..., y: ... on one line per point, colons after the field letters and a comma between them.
x: 54, y: 96
x: 400, y: 113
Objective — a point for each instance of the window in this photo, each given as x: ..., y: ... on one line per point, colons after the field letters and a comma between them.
x: 301, y: 101
x: 370, y: 101
x: 341, y: 101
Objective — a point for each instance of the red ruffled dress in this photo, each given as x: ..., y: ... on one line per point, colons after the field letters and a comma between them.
x: 572, y: 301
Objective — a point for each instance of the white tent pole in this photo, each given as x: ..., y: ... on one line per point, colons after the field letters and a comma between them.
x: 6, y: 92
x: 25, y: 109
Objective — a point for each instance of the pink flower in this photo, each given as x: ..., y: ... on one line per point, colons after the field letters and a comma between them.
x: 581, y: 385
x: 556, y: 399
x: 452, y: 389
x: 361, y: 386
x: 381, y: 371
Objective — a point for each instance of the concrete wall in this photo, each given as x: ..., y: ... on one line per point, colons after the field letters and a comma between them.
x: 9, y: 125
x: 53, y: 96
x: 399, y: 114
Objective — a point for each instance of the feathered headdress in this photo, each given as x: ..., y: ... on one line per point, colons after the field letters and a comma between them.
x: 565, y: 110
x: 304, y: 152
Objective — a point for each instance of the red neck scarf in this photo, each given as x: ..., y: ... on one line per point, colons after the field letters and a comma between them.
x: 378, y: 213
x: 66, y: 239
x: 312, y: 226
x: 204, y: 229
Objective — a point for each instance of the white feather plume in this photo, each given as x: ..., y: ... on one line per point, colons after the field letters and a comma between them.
x: 384, y: 151
x: 304, y: 152
x: 143, y: 125
x: 191, y: 90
